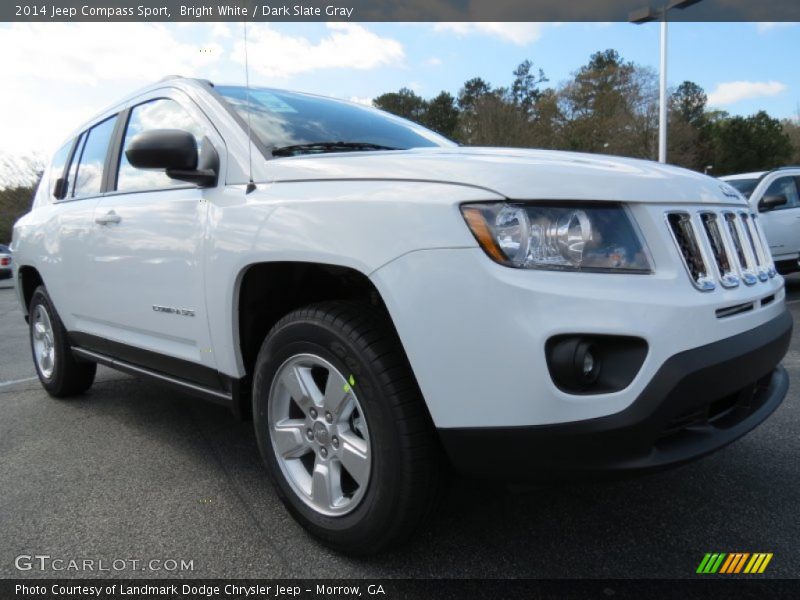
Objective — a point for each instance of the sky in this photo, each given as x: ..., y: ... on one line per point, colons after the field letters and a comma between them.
x: 57, y: 75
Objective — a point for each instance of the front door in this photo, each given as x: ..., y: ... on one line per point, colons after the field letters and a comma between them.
x: 782, y: 224
x: 148, y: 257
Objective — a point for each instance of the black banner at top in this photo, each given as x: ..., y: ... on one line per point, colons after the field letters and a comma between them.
x: 399, y: 10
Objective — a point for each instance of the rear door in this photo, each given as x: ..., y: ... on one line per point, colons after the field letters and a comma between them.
x: 782, y: 224
x: 68, y: 221
x: 148, y: 254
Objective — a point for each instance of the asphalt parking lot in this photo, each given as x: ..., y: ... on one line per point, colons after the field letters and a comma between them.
x: 135, y: 471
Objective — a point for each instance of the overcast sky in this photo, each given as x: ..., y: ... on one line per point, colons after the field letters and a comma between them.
x: 56, y: 75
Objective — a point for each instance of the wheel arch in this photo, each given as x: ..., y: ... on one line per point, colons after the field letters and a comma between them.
x: 28, y: 279
x: 267, y: 291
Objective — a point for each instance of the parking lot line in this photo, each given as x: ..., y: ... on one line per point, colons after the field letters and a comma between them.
x: 13, y: 381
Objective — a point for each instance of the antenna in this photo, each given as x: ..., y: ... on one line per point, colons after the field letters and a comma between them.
x: 250, y: 184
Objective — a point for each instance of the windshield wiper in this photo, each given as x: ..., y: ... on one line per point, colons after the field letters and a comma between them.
x: 320, y: 147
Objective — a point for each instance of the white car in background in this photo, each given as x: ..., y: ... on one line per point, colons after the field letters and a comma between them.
x: 774, y: 194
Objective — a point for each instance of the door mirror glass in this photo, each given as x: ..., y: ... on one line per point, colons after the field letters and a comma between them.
x: 772, y: 202
x: 163, y: 149
x: 781, y: 194
x: 175, y: 152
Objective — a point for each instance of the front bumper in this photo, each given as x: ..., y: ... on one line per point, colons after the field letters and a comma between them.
x: 697, y: 402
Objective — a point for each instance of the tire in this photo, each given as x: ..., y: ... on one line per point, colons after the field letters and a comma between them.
x: 62, y: 375
x: 388, y: 423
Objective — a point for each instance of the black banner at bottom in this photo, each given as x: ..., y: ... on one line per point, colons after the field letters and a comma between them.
x: 393, y: 589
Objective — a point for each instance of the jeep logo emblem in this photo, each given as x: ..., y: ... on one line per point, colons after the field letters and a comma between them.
x: 729, y: 190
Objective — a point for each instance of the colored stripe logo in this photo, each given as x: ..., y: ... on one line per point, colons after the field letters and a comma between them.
x: 734, y: 563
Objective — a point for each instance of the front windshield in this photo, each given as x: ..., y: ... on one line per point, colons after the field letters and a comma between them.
x: 743, y: 186
x: 279, y: 119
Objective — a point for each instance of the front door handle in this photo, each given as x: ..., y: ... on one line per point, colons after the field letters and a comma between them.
x: 109, y: 218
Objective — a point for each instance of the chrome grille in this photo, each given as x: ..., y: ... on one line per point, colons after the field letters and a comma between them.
x: 723, y: 256
x: 726, y: 247
x: 756, y: 248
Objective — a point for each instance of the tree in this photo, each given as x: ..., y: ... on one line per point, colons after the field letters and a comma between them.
x: 753, y: 143
x: 473, y: 89
x: 500, y: 116
x: 525, y: 88
x: 547, y: 128
x: 14, y: 202
x: 404, y: 103
x: 689, y: 131
x: 442, y: 115
x: 611, y: 106
x: 791, y: 127
x: 470, y: 98
x: 493, y: 121
x: 689, y: 102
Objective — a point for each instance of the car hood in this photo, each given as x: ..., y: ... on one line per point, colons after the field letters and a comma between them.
x: 518, y: 174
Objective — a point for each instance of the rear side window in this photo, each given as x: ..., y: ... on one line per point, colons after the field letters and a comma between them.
x: 162, y: 113
x: 88, y: 180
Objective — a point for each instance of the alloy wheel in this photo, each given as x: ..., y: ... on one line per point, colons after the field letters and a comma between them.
x: 44, y: 350
x: 319, y: 434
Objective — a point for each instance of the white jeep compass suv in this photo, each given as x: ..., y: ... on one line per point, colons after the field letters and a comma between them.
x: 385, y: 303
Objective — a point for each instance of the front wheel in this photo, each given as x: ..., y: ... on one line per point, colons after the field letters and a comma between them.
x: 60, y: 373
x: 343, y: 429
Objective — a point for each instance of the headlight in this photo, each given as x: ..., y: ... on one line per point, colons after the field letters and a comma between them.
x: 597, y: 237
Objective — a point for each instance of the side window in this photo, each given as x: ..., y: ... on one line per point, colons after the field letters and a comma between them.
x: 784, y: 186
x: 57, y: 169
x: 73, y: 166
x: 162, y: 113
x: 89, y: 178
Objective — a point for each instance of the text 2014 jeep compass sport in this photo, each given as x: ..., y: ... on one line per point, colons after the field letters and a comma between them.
x: 384, y: 302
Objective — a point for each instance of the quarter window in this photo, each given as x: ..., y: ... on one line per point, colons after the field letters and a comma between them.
x: 89, y: 178
x: 162, y: 113
x: 57, y: 167
x: 73, y: 167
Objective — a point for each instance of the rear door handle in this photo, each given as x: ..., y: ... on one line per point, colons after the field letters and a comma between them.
x: 109, y: 218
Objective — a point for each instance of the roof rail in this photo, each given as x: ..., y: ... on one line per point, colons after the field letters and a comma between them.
x: 172, y: 77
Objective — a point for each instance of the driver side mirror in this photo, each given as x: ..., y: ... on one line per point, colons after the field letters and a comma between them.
x: 175, y: 151
x: 772, y: 202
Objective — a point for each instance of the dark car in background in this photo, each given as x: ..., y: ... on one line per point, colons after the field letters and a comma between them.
x: 5, y: 262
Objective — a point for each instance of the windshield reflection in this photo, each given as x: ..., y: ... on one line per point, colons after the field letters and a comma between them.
x: 280, y: 118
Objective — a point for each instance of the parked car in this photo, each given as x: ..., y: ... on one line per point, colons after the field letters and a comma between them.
x: 386, y: 304
x: 774, y: 194
x: 5, y: 262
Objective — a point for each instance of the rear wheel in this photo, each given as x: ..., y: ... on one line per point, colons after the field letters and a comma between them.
x: 60, y: 373
x: 343, y: 428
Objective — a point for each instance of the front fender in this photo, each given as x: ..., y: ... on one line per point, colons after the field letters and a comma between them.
x: 361, y: 225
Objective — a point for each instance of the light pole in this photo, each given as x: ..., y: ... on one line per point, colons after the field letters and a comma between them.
x: 646, y: 15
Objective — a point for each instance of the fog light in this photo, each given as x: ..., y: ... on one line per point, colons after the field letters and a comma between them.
x: 575, y: 362
x: 594, y: 364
